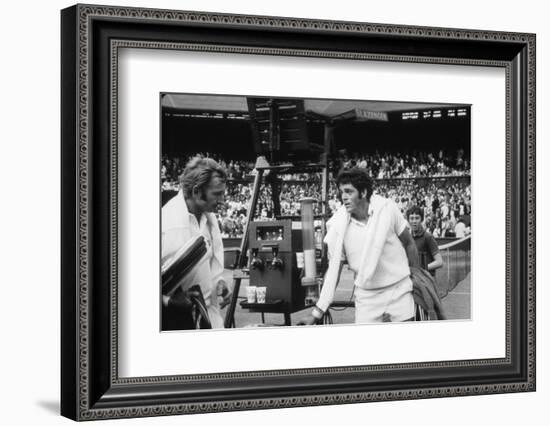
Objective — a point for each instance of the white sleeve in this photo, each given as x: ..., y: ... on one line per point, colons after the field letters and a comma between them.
x: 327, y: 292
x: 398, y: 220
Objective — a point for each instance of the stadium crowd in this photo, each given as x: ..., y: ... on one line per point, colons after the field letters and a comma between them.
x: 438, y: 183
x: 409, y: 165
x: 379, y: 166
x: 172, y: 168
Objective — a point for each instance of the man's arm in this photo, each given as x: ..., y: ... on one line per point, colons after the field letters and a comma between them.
x: 437, y: 262
x: 434, y: 250
x: 410, y: 248
x: 326, y: 297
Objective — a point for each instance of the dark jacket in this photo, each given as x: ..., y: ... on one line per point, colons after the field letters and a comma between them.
x: 425, y: 294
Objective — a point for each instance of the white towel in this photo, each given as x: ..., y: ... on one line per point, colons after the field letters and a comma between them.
x: 377, y: 232
x: 379, y: 225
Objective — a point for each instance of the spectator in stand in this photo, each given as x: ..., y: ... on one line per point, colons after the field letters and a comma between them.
x: 461, y: 230
x: 447, y: 231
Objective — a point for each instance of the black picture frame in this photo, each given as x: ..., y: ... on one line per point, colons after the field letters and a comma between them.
x: 90, y: 386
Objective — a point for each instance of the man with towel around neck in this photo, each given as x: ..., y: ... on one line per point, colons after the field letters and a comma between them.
x: 370, y: 232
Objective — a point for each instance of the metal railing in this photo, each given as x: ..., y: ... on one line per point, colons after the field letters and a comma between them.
x: 456, y: 265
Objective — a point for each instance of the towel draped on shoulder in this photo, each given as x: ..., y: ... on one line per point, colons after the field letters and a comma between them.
x: 379, y: 225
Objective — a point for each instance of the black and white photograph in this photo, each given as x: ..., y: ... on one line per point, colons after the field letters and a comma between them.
x: 280, y: 211
x: 265, y: 207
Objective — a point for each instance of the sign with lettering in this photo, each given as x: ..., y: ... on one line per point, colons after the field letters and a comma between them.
x: 363, y: 114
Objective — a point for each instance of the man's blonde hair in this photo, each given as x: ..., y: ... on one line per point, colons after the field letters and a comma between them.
x: 198, y: 173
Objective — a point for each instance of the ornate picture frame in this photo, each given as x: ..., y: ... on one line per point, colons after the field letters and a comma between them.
x: 91, y: 39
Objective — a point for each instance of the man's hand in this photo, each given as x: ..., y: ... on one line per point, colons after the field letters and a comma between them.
x: 314, y: 318
x: 178, y: 300
x: 310, y: 320
x: 223, y: 292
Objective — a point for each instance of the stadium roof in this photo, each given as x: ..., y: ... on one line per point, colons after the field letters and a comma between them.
x: 328, y: 108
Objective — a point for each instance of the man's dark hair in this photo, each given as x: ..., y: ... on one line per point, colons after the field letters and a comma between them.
x: 358, y: 177
x: 415, y: 210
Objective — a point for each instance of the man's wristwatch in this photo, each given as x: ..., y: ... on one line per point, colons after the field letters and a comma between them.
x: 317, y: 313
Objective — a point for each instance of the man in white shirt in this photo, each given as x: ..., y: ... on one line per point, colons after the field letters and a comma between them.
x: 372, y: 234
x: 460, y: 229
x: 188, y: 214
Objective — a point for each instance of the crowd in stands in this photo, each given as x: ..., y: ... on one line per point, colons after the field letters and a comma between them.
x: 379, y: 165
x: 408, y: 165
x: 445, y: 203
x: 446, y: 200
x: 172, y: 168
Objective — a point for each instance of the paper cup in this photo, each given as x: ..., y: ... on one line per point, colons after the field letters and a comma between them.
x: 251, y: 294
x: 260, y: 294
